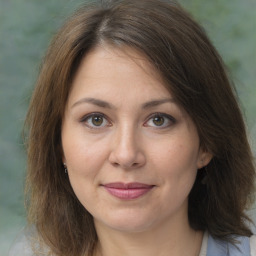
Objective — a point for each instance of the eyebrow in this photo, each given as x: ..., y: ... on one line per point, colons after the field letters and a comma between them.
x: 155, y: 103
x: 97, y: 102
x: 104, y: 104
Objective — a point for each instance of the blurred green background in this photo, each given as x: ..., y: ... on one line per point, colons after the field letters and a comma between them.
x: 26, y: 27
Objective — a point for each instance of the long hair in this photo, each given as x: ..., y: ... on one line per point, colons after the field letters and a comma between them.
x: 192, y: 71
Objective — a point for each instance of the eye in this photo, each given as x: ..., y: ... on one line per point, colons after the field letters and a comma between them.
x: 160, y: 120
x: 95, y: 120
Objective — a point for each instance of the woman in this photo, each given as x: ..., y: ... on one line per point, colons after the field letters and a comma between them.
x: 136, y: 144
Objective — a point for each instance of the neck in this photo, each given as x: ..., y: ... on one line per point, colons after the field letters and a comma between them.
x: 169, y: 239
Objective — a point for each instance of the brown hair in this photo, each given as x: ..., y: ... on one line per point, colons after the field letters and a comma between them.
x: 194, y: 73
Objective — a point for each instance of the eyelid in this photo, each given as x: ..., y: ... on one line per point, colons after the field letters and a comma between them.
x: 169, y: 117
x: 87, y: 116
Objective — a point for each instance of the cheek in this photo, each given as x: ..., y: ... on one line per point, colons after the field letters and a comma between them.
x: 177, y: 164
x: 85, y: 161
x: 180, y: 156
x: 81, y: 154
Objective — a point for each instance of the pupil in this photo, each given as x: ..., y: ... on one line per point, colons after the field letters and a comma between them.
x: 158, y: 120
x: 97, y: 120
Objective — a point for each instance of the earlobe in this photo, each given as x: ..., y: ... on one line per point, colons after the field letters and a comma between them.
x: 65, y: 167
x: 204, y: 159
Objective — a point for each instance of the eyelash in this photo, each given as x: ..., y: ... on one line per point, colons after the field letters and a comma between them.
x: 86, y: 119
x: 168, y: 120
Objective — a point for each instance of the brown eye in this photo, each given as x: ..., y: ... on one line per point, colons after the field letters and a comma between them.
x: 158, y: 120
x: 97, y: 120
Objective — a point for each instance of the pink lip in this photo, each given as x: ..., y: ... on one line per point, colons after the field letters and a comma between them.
x: 127, y: 191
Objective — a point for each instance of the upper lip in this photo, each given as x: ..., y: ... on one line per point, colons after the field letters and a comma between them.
x: 132, y: 185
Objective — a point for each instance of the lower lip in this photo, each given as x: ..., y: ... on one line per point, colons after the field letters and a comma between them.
x: 128, y: 194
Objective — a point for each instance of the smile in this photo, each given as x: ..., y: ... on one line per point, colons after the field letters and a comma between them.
x: 127, y: 191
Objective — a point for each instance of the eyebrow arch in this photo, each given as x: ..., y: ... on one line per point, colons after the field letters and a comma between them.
x: 154, y: 103
x: 104, y: 104
x: 97, y: 102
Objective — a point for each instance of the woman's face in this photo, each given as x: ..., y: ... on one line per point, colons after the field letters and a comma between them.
x: 132, y: 153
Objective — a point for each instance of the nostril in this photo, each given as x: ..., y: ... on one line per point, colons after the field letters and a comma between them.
x: 126, y: 165
x: 115, y: 164
x: 126, y: 157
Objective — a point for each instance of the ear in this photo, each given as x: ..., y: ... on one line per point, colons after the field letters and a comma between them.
x: 63, y: 159
x: 61, y: 152
x: 204, y: 158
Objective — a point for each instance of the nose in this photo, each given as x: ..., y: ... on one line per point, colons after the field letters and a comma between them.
x: 126, y: 150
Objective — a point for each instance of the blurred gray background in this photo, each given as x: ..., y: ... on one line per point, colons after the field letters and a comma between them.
x: 26, y: 27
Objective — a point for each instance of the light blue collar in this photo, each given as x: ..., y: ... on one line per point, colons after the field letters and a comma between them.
x: 217, y: 247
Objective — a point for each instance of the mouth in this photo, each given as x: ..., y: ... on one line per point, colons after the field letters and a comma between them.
x: 127, y: 191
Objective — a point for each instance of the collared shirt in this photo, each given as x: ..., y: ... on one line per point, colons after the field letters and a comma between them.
x: 210, y: 247
x: 215, y: 247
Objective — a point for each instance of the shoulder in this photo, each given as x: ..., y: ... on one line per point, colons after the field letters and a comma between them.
x: 253, y: 245
x: 246, y: 246
x: 27, y: 244
x: 21, y: 247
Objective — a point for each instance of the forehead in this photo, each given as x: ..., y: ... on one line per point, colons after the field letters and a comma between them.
x: 106, y: 70
x: 127, y: 58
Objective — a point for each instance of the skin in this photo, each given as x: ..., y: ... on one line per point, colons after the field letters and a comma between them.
x: 128, y: 140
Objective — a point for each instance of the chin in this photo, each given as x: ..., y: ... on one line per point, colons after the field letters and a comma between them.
x: 131, y: 223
